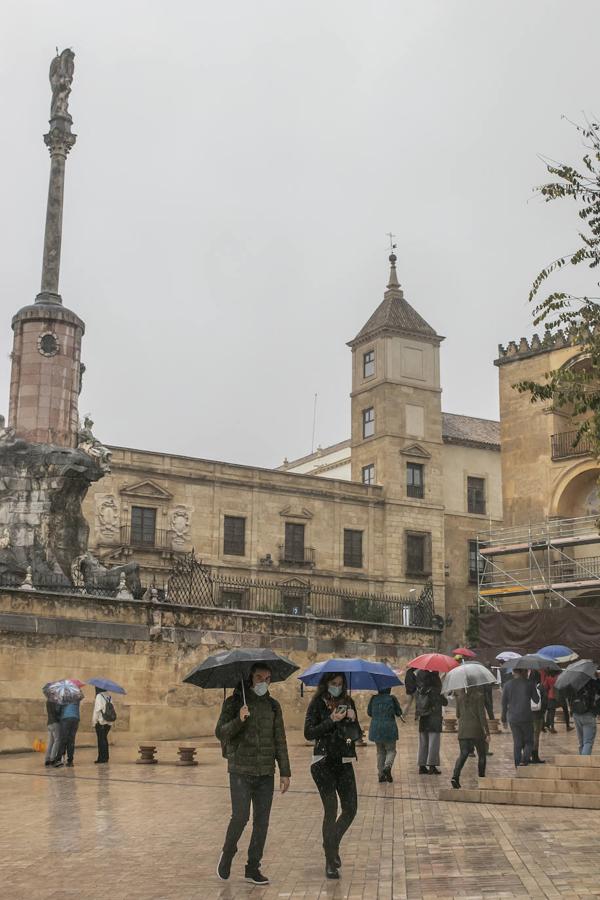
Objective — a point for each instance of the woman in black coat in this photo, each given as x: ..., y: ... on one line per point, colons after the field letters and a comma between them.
x: 428, y: 709
x: 331, y: 722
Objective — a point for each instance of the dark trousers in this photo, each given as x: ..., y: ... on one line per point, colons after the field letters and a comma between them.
x: 335, y: 780
x: 522, y: 733
x: 246, y: 790
x: 467, y: 745
x: 68, y: 730
x: 551, y: 711
x: 102, y: 738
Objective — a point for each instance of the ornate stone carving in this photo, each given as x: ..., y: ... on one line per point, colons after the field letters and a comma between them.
x: 107, y: 515
x: 92, y: 446
x: 180, y: 524
x: 62, y: 69
x: 59, y: 142
x: 123, y: 592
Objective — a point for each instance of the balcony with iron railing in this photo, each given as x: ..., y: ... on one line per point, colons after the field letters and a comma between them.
x: 296, y: 556
x: 564, y: 446
x: 158, y: 539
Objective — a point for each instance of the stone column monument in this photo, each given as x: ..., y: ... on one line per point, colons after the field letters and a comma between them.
x: 47, y: 460
x: 46, y: 371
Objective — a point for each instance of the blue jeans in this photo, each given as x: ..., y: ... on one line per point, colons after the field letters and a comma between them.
x: 585, y: 723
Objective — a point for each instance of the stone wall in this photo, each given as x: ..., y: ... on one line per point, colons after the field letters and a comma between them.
x: 149, y: 648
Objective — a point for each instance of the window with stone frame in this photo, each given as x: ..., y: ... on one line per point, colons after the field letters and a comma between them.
x: 418, y: 553
x: 368, y: 422
x: 353, y: 548
x: 294, y: 542
x: 415, y: 480
x: 476, y: 495
x: 473, y: 562
x: 368, y: 364
x: 368, y: 474
x: 143, y: 525
x: 234, y: 536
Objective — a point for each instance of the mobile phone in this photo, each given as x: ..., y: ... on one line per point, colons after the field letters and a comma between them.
x: 341, y: 708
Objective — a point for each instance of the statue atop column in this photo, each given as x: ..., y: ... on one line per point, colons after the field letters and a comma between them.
x: 62, y: 68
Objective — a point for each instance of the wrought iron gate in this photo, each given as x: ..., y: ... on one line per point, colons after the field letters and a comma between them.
x: 190, y: 582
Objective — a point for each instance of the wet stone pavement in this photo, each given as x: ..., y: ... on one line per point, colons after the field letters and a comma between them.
x: 131, y: 832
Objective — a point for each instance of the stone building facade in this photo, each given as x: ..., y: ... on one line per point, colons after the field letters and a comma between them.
x: 396, y: 506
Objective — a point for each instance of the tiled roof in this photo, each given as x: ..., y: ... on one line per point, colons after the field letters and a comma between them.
x: 470, y: 431
x: 395, y: 314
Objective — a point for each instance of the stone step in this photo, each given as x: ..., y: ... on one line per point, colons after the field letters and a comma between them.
x: 520, y: 798
x: 573, y: 773
x: 572, y: 759
x: 544, y: 785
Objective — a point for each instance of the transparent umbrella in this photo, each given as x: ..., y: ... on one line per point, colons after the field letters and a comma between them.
x: 467, y: 676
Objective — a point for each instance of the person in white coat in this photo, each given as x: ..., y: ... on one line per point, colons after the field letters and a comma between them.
x: 101, y: 724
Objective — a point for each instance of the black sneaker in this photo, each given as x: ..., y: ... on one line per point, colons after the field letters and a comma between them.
x: 256, y: 876
x: 224, y: 867
x: 455, y: 783
x: 423, y: 770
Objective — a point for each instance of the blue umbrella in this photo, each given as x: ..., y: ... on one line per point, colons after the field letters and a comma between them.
x: 105, y: 684
x: 558, y: 652
x: 361, y: 674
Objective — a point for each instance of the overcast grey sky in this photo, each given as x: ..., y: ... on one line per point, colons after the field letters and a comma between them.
x: 238, y: 165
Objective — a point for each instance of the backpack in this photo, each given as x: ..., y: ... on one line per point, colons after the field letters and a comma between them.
x: 224, y: 743
x: 582, y: 702
x: 109, y: 713
x: 423, y: 704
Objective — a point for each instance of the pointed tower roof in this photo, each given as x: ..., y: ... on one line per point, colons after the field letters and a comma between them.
x: 394, y: 314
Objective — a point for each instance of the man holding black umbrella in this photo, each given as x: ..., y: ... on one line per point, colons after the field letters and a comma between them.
x: 252, y: 735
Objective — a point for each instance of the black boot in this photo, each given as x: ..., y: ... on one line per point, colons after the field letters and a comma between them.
x: 433, y: 770
x: 331, y: 870
x: 423, y: 770
x: 387, y: 774
x: 535, y: 759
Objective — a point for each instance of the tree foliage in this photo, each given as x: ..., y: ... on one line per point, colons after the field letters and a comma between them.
x: 577, y: 318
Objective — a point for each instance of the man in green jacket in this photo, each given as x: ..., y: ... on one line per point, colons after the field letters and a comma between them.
x: 252, y: 735
x: 473, y: 730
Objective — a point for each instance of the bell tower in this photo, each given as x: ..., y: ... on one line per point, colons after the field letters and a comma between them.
x: 46, y: 359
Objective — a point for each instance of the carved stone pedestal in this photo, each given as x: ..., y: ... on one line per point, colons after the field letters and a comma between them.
x: 186, y: 756
x: 494, y: 726
x: 450, y: 725
x: 146, y: 752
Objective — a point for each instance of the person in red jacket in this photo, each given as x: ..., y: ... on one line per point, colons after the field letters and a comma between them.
x: 548, y: 682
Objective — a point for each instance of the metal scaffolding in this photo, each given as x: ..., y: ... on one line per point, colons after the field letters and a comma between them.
x: 538, y: 561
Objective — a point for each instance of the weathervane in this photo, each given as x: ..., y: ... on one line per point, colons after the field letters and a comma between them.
x: 392, y: 237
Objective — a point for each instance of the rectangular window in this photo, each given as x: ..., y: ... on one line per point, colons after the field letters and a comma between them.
x: 294, y: 542
x: 368, y: 363
x: 143, y: 525
x: 415, y: 482
x: 353, y: 548
x: 476, y: 495
x: 234, y: 536
x: 473, y: 567
x: 368, y: 474
x: 368, y: 422
x: 418, y: 553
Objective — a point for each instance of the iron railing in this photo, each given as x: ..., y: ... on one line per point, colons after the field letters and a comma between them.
x: 57, y: 584
x: 564, y: 446
x: 159, y: 540
x: 294, y: 556
x: 415, y: 490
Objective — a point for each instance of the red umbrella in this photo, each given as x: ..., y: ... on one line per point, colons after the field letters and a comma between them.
x: 433, y: 662
x: 462, y: 651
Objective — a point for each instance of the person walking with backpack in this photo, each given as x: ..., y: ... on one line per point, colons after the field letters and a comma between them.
x: 585, y: 707
x: 384, y: 709
x: 332, y: 723
x: 428, y: 709
x: 252, y: 735
x: 473, y: 730
x: 102, y: 719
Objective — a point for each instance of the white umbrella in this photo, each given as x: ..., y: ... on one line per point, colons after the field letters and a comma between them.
x: 508, y: 654
x: 468, y: 675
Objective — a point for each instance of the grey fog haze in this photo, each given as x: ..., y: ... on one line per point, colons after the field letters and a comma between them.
x: 236, y: 170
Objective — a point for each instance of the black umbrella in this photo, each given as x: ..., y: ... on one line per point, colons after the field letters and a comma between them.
x: 535, y: 662
x: 227, y: 669
x: 576, y: 675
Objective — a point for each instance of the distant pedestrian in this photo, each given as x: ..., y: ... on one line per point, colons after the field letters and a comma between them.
x: 102, y: 720
x: 428, y: 709
x: 585, y: 706
x: 331, y: 722
x: 538, y: 711
x: 553, y: 702
x: 410, y: 686
x: 517, y: 695
x: 252, y: 736
x: 473, y: 730
x: 53, y: 742
x: 69, y: 723
x: 384, y: 709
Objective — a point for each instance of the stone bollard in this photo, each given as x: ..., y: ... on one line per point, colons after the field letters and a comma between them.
x: 146, y: 752
x: 450, y: 725
x: 186, y: 756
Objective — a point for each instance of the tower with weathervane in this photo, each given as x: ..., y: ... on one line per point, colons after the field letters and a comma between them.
x: 397, y: 432
x: 46, y: 359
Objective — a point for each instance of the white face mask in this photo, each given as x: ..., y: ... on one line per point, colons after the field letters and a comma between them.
x: 261, y: 688
x: 335, y: 690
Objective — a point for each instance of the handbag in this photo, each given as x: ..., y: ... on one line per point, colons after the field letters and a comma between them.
x: 536, y: 706
x: 349, y: 730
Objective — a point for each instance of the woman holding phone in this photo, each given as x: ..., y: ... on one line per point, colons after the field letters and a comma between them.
x: 331, y: 722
